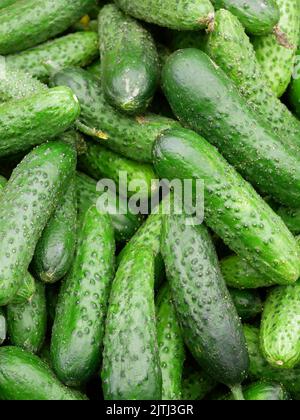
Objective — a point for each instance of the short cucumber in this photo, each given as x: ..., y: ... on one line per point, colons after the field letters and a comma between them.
x: 55, y: 249
x: 27, y: 322
x: 17, y: 84
x: 129, y: 61
x: 26, y: 290
x: 78, y: 328
x: 27, y: 23
x: 248, y: 303
x: 196, y: 384
x: 3, y: 326
x: 131, y: 366
x: 170, y: 345
x: 291, y: 218
x: 23, y: 376
x: 31, y: 195
x: 78, y: 49
x: 263, y: 391
x: 294, y: 90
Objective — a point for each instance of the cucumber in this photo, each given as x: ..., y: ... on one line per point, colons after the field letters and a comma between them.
x: 23, y: 376
x: 179, y: 40
x: 131, y: 366
x: 196, y: 384
x: 291, y: 218
x: 31, y: 195
x: 95, y: 69
x: 129, y: 61
x: 33, y: 120
x: 27, y: 322
x: 277, y: 57
x: 25, y: 292
x: 263, y: 391
x: 200, y: 94
x: 5, y: 3
x: 55, y: 249
x: 27, y: 23
x: 233, y: 209
x: 170, y: 344
x: 125, y: 223
x: 17, y: 84
x: 3, y: 326
x: 3, y: 182
x: 248, y: 303
x: 78, y: 49
x: 174, y: 14
x: 129, y: 136
x: 81, y: 309
x: 100, y: 163
x: 294, y: 90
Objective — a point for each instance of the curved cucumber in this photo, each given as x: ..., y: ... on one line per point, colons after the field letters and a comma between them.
x: 129, y: 61
x: 31, y: 195
x: 3, y: 326
x: 23, y: 376
x: 131, y: 366
x: 81, y: 309
x: 247, y: 303
x: 27, y: 322
x: 17, y: 84
x: 196, y: 384
x: 26, y: 291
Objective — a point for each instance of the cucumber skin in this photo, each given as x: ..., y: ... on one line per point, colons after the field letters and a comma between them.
x: 129, y: 61
x: 170, y: 344
x: 25, y: 292
x: 129, y: 136
x: 174, y: 14
x: 23, y: 376
x: 5, y: 3
x: 3, y: 182
x: 81, y: 309
x: 33, y: 120
x: 27, y: 23
x: 291, y: 218
x: 233, y: 209
x: 200, y: 94
x: 27, y: 322
x: 196, y: 385
x: 78, y: 49
x: 131, y: 366
x: 264, y: 391
x: 210, y: 324
x: 247, y: 302
x: 17, y: 84
x: 294, y: 90
x: 31, y: 195
x: 3, y: 327
x: 55, y: 249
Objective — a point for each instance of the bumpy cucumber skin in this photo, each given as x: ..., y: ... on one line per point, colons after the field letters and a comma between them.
x: 27, y: 322
x: 17, y: 84
x: 3, y: 326
x: 277, y: 61
x: 31, y: 195
x: 209, y: 321
x: 30, y: 22
x: 129, y: 136
x: 26, y: 290
x: 79, y: 49
x: 265, y: 391
x: 233, y: 209
x: 291, y: 218
x: 182, y: 15
x: 294, y: 90
x: 247, y: 302
x: 131, y: 366
x: 23, y: 376
x: 201, y: 94
x: 170, y: 344
x: 33, y: 120
x: 196, y: 384
x: 81, y: 309
x: 55, y: 249
x: 129, y: 61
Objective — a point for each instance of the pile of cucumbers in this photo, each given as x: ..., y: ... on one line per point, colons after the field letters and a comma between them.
x: 123, y: 305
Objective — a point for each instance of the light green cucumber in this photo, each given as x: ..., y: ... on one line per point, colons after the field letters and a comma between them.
x: 17, y: 84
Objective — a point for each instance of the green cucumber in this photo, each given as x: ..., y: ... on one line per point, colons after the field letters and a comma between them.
x: 55, y: 249
x: 291, y: 218
x: 31, y: 195
x: 248, y: 303
x: 276, y: 53
x: 33, y: 120
x: 3, y: 326
x: 5, y: 3
x: 95, y: 69
x: 179, y: 40
x: 27, y: 23
x: 81, y: 309
x: 78, y: 49
x: 294, y: 90
x: 201, y: 94
x: 129, y: 136
x: 196, y: 384
x: 18, y: 84
x: 25, y: 292
x: 23, y: 376
x: 129, y: 61
x: 263, y: 391
x: 27, y: 322
x: 3, y: 182
x: 170, y: 345
x: 174, y: 14
x: 131, y: 366
x: 233, y: 209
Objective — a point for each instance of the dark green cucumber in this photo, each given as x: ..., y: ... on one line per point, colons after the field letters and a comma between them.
x: 205, y: 99
x: 23, y: 376
x: 31, y: 195
x: 263, y: 391
x: 233, y: 209
x: 291, y: 218
x: 3, y: 326
x: 17, y: 84
x: 174, y: 14
x: 26, y: 290
x: 294, y: 90
x: 209, y: 321
x: 170, y: 345
x: 125, y: 223
x: 179, y: 40
x: 248, y: 303
x: 129, y: 61
x: 27, y: 322
x: 27, y: 23
x: 55, y: 249
x: 33, y: 120
x: 81, y: 309
x: 129, y: 136
x: 196, y: 384
x: 131, y: 366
